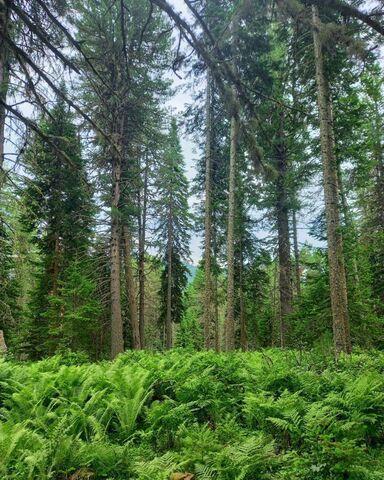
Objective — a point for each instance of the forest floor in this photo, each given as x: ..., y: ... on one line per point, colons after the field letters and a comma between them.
x: 184, y: 415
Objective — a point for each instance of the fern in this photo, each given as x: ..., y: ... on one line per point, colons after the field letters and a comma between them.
x: 263, y: 415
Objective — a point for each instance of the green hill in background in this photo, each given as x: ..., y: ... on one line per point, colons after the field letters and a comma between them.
x: 192, y: 269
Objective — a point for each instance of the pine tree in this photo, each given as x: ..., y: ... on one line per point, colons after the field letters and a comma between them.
x: 9, y: 288
x: 59, y: 212
x: 4, y: 77
x: 371, y: 174
x: 128, y: 43
x: 172, y: 231
x: 339, y: 300
x: 210, y: 322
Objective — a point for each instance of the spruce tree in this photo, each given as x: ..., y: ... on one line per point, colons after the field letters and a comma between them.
x: 58, y: 210
x: 128, y: 42
x: 172, y: 231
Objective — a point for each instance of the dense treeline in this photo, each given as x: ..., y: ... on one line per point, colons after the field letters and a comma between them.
x: 96, y: 220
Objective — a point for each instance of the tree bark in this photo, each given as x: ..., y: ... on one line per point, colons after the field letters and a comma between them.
x: 130, y: 285
x: 216, y: 312
x: 351, y: 234
x: 215, y: 288
x: 3, y: 345
x: 296, y: 254
x: 378, y: 216
x: 243, y: 324
x: 117, y: 336
x: 142, y: 238
x: 209, y: 314
x: 275, y: 320
x: 230, y: 317
x: 168, y: 322
x: 379, y: 254
x: 284, y: 247
x: 4, y: 79
x: 379, y: 187
x: 337, y: 276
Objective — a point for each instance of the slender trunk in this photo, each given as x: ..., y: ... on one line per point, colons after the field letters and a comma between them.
x: 296, y: 254
x: 4, y: 79
x: 285, y: 285
x: 130, y: 285
x: 168, y: 323
x: 142, y: 238
x: 230, y: 318
x: 117, y: 336
x: 54, y: 272
x: 379, y: 187
x: 216, y: 311
x: 3, y: 345
x: 379, y: 249
x: 377, y: 245
x: 350, y: 231
x: 243, y: 325
x: 337, y: 277
x: 215, y: 292
x: 276, y: 304
x: 55, y: 267
x: 208, y: 317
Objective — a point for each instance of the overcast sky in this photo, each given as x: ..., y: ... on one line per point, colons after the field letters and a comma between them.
x: 183, y: 97
x: 190, y: 151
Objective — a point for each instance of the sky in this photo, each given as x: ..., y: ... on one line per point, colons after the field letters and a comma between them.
x: 184, y: 96
x: 178, y: 102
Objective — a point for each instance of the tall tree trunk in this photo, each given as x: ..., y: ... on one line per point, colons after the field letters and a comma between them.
x: 141, y: 269
x: 243, y: 325
x: 285, y: 285
x: 4, y: 79
x: 296, y: 253
x: 275, y: 327
x: 209, y: 314
x: 351, y: 233
x: 168, y: 322
x: 337, y: 277
x: 130, y: 285
x: 377, y: 245
x: 379, y: 187
x: 117, y: 336
x: 55, y: 266
x: 54, y: 325
x: 230, y: 317
x: 379, y: 190
x: 216, y: 311
x: 215, y: 289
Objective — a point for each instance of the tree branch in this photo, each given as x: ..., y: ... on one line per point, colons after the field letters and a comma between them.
x: 58, y: 91
x: 348, y: 11
x: 34, y: 127
x: 39, y: 34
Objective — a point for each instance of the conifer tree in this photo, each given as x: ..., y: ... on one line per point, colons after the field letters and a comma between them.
x: 128, y: 42
x: 59, y: 213
x: 172, y: 231
x: 338, y: 287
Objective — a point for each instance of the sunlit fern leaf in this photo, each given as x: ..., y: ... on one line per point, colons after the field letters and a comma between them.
x: 159, y: 468
x: 206, y: 472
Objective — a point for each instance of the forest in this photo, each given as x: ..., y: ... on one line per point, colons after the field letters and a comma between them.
x: 192, y: 239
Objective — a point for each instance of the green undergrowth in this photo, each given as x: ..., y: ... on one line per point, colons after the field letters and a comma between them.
x: 252, y: 416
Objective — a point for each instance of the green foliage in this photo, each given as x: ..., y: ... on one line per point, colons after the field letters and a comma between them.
x: 58, y: 213
x: 9, y: 288
x: 80, y: 309
x: 172, y: 225
x: 267, y: 415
